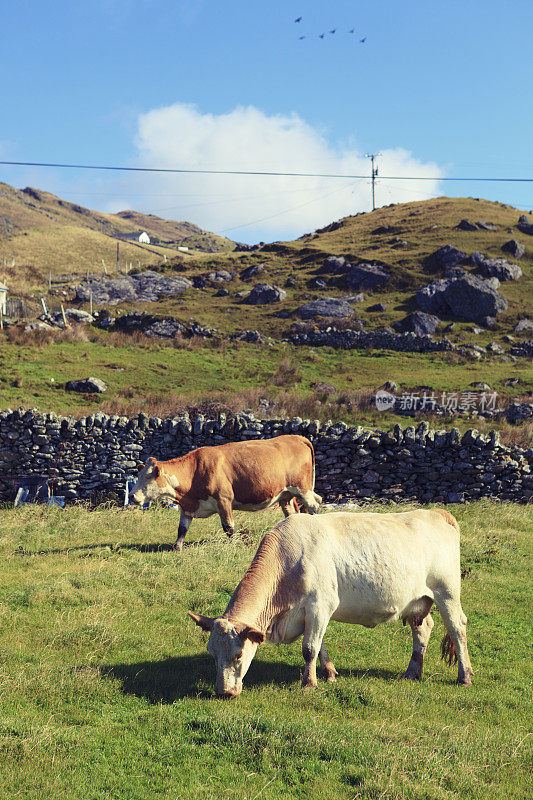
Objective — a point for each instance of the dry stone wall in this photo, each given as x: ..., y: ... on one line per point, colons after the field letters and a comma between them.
x: 91, y: 458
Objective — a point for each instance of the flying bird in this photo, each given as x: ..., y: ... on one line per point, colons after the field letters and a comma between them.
x: 298, y: 19
x: 363, y: 40
x: 321, y: 35
x: 301, y: 37
x: 353, y: 30
x: 334, y: 30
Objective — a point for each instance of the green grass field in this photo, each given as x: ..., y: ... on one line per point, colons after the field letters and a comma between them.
x: 107, y: 687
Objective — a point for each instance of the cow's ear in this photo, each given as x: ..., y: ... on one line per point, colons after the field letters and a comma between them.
x: 205, y: 623
x: 253, y: 634
x: 152, y: 460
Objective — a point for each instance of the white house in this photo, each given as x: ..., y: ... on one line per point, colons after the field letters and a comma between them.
x: 144, y: 238
x: 3, y: 297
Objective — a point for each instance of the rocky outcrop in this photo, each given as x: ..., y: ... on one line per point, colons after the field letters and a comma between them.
x: 265, y: 293
x: 525, y: 226
x: 87, y: 386
x: 420, y: 323
x: 467, y: 297
x: 325, y: 307
x: 145, y: 286
x: 516, y: 249
x: 495, y: 267
x: 444, y: 258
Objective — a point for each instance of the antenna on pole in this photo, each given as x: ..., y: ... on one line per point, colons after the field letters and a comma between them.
x: 374, y: 175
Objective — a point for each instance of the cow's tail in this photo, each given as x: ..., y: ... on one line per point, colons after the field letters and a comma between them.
x: 317, y: 497
x: 447, y: 650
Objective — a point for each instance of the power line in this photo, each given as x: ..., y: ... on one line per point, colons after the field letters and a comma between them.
x: 263, y: 174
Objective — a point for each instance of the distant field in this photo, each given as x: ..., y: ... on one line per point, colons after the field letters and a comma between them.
x: 162, y: 378
x: 108, y: 690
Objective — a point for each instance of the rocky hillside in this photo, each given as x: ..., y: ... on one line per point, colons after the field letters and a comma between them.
x: 454, y: 267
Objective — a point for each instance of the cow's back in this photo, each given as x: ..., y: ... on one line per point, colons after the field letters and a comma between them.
x: 374, y: 561
x: 258, y: 469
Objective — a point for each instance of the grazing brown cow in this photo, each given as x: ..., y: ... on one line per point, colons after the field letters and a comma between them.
x: 248, y: 476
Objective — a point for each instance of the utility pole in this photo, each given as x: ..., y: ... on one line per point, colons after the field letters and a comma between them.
x: 374, y: 175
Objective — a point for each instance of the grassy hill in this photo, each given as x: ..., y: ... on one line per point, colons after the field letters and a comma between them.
x: 164, y: 376
x: 48, y: 234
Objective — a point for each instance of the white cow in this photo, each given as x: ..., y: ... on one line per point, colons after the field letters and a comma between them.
x: 359, y: 568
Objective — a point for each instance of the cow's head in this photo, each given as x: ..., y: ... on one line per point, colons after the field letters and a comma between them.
x: 153, y: 484
x: 233, y: 646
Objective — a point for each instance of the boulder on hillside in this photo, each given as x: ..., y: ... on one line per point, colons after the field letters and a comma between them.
x: 420, y: 323
x: 377, y: 307
x: 516, y: 249
x: 466, y: 225
x: 251, y: 271
x: 265, y: 293
x: 524, y: 325
x: 334, y: 265
x: 483, y: 225
x: 445, y: 258
x: 525, y: 225
x: 219, y: 276
x: 145, y: 286
x: 325, y: 307
x: 363, y: 276
x: 496, y: 267
x: 87, y: 386
x: 467, y: 297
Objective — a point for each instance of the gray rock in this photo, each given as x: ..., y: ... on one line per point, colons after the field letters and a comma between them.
x: 524, y: 325
x: 525, y: 226
x: 496, y: 267
x: 364, y: 276
x: 325, y: 307
x: 445, y: 258
x: 486, y: 226
x: 466, y: 225
x: 38, y: 325
x: 219, y: 275
x: 335, y: 265
x: 377, y: 307
x: 516, y: 249
x: 265, y: 293
x: 145, y: 286
x: 86, y: 385
x: 420, y: 323
x: 467, y: 297
x: 251, y: 271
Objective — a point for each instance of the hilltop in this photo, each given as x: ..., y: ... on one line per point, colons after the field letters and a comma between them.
x: 48, y: 234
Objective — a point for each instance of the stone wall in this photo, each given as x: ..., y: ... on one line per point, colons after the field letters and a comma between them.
x: 91, y: 458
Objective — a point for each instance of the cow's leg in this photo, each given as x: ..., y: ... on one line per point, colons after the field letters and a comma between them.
x: 310, y: 500
x: 454, y: 619
x: 225, y: 510
x: 288, y: 504
x: 316, y: 622
x: 185, y: 522
x: 421, y: 629
x: 327, y: 664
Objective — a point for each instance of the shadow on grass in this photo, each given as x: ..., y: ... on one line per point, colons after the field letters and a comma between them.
x: 194, y: 676
x: 140, y: 548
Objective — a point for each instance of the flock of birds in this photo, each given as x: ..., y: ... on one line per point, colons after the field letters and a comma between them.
x: 322, y: 35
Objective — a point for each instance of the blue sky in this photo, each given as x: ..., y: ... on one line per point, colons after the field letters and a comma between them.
x: 441, y: 88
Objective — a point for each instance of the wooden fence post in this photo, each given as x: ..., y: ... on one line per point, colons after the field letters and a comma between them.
x: 43, y: 303
x: 91, y: 303
x: 65, y: 323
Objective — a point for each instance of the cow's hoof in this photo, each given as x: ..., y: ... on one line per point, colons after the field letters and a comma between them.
x: 464, y: 681
x: 178, y: 547
x: 331, y: 674
x: 410, y: 676
x: 307, y: 687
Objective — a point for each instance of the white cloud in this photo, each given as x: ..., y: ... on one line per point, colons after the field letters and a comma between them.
x: 248, y: 139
